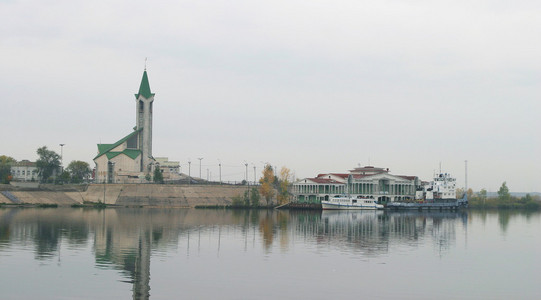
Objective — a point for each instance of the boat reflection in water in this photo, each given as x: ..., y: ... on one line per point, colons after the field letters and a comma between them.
x: 373, y: 232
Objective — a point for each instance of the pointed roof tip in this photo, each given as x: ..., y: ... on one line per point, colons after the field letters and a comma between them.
x: 144, y: 88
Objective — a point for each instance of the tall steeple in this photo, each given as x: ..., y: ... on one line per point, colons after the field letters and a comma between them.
x: 144, y: 101
x: 144, y: 88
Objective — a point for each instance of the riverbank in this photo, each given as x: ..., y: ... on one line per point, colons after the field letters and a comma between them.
x: 130, y: 195
x: 526, y: 202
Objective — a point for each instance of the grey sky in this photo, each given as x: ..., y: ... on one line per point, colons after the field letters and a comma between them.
x: 317, y: 86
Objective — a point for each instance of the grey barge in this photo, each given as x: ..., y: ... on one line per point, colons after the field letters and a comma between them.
x: 436, y: 205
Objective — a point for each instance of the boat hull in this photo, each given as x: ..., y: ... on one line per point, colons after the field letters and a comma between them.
x: 451, y: 204
x: 329, y: 206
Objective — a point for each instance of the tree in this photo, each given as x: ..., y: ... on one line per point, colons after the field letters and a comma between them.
x: 64, y: 177
x: 503, y: 192
x: 236, y: 201
x: 5, y: 168
x: 283, y: 186
x: 483, y: 195
x: 266, y: 189
x: 48, y: 162
x: 158, y: 175
x: 254, y: 197
x: 78, y: 170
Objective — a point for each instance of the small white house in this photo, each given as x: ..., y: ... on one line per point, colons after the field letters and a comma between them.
x: 24, y: 170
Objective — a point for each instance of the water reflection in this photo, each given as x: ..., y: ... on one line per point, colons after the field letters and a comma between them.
x: 125, y: 239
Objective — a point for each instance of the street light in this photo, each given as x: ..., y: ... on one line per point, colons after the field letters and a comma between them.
x: 220, y: 166
x: 200, y: 159
x: 246, y: 165
x: 62, y: 157
x: 254, y: 172
x: 189, y: 171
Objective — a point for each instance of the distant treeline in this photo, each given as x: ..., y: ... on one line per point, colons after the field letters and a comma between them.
x: 504, y: 200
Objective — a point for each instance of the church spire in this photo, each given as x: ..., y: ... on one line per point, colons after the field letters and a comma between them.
x: 144, y: 88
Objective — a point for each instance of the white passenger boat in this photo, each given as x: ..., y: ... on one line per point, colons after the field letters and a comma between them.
x: 347, y: 202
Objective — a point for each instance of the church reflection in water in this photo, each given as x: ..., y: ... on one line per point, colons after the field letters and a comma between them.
x: 125, y: 239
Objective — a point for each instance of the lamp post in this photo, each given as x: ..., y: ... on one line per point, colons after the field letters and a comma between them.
x: 62, y: 157
x: 254, y: 172
x: 246, y: 177
x: 220, y: 167
x: 200, y: 159
x: 189, y: 171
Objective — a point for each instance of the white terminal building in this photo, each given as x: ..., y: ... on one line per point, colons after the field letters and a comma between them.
x: 366, y: 182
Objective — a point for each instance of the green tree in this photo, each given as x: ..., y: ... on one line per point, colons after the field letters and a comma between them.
x: 78, y: 170
x: 254, y: 197
x: 483, y: 195
x: 246, y: 198
x: 5, y: 168
x: 503, y: 192
x: 267, y: 183
x: 48, y: 162
x: 236, y: 201
x: 158, y: 175
x: 64, y: 177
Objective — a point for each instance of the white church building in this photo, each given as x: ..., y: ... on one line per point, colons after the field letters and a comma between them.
x: 130, y: 158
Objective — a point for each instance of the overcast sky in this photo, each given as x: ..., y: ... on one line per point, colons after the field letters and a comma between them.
x: 317, y: 86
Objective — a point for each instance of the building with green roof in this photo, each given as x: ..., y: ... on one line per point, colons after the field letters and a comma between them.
x: 130, y: 158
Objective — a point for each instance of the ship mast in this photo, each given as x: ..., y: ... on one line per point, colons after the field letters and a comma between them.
x: 466, y: 176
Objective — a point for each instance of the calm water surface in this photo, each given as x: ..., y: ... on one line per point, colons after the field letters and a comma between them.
x: 67, y: 253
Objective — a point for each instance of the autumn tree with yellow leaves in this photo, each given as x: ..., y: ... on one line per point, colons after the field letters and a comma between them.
x: 283, y: 185
x: 267, y: 183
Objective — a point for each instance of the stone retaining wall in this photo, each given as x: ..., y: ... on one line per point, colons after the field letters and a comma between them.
x: 136, y: 195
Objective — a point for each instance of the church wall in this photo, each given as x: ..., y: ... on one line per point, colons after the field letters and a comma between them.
x: 124, y: 163
x: 123, y: 166
x: 120, y: 147
x: 101, y: 168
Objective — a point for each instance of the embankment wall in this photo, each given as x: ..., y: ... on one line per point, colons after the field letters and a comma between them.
x: 135, y: 195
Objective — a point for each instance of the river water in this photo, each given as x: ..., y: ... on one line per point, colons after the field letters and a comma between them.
x: 75, y: 253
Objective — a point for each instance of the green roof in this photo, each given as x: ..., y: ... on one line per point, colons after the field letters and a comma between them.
x: 131, y: 153
x: 106, y: 148
x: 144, y: 88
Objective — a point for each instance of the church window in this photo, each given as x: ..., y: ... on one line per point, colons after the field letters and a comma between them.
x: 132, y: 142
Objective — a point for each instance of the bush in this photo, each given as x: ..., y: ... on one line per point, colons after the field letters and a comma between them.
x: 237, y: 201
